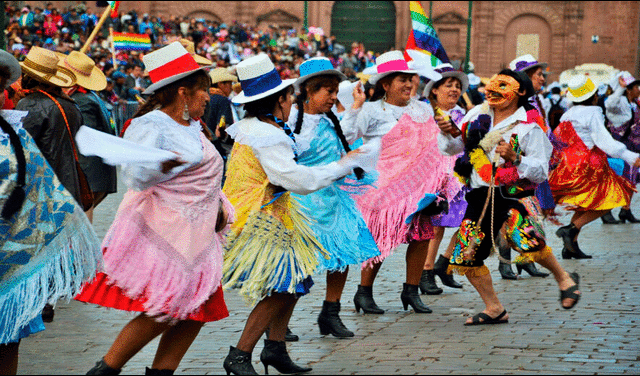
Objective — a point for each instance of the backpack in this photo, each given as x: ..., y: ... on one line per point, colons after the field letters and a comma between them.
x: 555, y: 113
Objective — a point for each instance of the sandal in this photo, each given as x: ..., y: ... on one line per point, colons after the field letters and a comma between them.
x: 570, y: 293
x: 487, y: 320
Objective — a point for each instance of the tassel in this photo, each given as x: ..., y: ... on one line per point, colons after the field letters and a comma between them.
x: 14, y: 203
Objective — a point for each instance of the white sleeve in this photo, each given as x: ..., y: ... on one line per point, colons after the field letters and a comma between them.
x: 448, y: 145
x: 617, y: 107
x: 354, y: 125
x: 602, y: 139
x: 537, y: 149
x: 282, y: 170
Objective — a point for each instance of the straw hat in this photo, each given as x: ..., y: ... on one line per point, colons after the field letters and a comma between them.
x: 7, y: 60
x: 87, y: 74
x: 42, y: 65
x: 168, y: 65
x: 259, y: 79
x: 580, y: 88
x: 388, y: 63
x: 526, y: 62
x: 222, y: 75
x: 446, y: 70
x: 317, y: 66
x: 191, y: 48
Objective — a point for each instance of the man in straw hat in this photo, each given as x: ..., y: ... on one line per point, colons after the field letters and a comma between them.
x: 221, y: 113
x: 89, y: 80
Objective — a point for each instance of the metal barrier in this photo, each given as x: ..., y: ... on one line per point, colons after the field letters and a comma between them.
x: 123, y: 112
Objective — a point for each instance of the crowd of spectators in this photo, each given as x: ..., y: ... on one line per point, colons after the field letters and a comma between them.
x: 225, y: 44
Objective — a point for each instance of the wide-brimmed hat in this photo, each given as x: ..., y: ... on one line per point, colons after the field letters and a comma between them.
x: 580, y: 88
x: 191, y: 48
x: 388, y: 63
x: 526, y: 62
x: 168, y: 65
x: 446, y: 70
x: 259, y: 79
x: 42, y: 65
x: 87, y: 74
x: 629, y: 80
x: 7, y: 60
x: 222, y: 75
x: 317, y: 66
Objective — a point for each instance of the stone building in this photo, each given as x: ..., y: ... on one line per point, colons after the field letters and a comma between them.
x: 561, y: 33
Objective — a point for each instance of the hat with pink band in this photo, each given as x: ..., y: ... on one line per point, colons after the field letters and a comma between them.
x: 388, y: 63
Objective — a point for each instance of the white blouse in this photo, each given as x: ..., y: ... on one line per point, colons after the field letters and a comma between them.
x: 159, y: 130
x: 588, y: 122
x: 618, y: 108
x: 534, y: 143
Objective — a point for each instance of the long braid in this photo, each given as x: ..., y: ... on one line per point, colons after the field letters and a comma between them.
x: 300, y: 102
x: 336, y: 125
x: 17, y: 196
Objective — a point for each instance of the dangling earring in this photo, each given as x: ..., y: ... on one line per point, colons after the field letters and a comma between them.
x: 185, y: 113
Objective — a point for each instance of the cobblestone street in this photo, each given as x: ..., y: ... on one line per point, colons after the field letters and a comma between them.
x: 600, y: 336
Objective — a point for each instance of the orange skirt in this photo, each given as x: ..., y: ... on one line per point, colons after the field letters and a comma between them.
x: 583, y: 177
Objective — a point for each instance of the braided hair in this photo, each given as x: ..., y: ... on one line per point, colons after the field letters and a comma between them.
x: 17, y: 196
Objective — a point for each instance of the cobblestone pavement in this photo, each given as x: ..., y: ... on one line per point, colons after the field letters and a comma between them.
x: 599, y: 336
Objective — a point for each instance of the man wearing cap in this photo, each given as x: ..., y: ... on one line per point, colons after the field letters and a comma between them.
x: 220, y: 112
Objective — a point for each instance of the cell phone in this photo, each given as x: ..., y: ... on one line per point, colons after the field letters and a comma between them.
x: 456, y: 131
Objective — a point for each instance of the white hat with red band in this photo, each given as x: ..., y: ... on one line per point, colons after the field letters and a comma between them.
x: 168, y: 65
x: 388, y: 63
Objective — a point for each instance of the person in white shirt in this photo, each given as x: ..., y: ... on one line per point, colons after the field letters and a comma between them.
x: 583, y: 178
x: 506, y: 155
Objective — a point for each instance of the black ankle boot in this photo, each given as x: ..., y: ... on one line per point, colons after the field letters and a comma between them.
x: 428, y: 283
x: 329, y: 321
x: 410, y: 297
x: 48, y: 312
x: 568, y: 254
x: 440, y: 269
x: 288, y: 337
x: 609, y: 219
x: 275, y: 354
x: 626, y: 215
x: 101, y: 368
x: 364, y: 299
x: 505, y: 253
x: 162, y: 372
x: 238, y: 362
x: 506, y: 272
x: 568, y: 234
x: 531, y: 269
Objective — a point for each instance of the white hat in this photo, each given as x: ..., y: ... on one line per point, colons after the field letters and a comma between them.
x: 580, y: 88
x: 345, y: 92
x: 526, y: 62
x: 317, y: 66
x: 473, y: 79
x: 447, y: 70
x: 388, y: 63
x: 259, y: 79
x: 168, y: 65
x: 421, y: 62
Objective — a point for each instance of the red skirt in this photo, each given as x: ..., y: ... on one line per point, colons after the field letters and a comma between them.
x: 100, y: 292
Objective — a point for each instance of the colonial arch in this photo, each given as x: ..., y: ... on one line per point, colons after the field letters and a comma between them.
x: 527, y: 34
x: 370, y: 22
x: 207, y: 15
x: 279, y: 18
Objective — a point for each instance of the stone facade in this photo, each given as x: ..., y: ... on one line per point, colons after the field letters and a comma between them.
x: 559, y: 31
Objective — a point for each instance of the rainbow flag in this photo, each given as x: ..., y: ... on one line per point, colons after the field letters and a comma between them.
x: 127, y: 41
x: 423, y: 37
x: 114, y: 8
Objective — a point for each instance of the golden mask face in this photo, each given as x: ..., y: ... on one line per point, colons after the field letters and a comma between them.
x: 502, y: 89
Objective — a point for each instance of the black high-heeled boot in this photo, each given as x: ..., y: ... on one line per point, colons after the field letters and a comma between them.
x: 329, y: 321
x: 428, y: 283
x: 288, y: 337
x: 506, y: 272
x: 238, y: 362
x: 568, y: 234
x: 275, y: 354
x: 440, y: 269
x: 505, y: 252
x: 531, y: 269
x: 364, y: 299
x: 609, y: 219
x: 101, y: 368
x: 410, y: 297
x: 162, y: 372
x: 626, y: 215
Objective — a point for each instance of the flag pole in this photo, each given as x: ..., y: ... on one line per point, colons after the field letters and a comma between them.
x: 466, y: 61
x: 96, y: 29
x: 113, y: 49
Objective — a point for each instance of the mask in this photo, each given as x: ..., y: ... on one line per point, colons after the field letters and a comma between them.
x: 502, y: 89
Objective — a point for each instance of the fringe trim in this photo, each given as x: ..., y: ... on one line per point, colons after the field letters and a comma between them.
x: 264, y: 256
x: 529, y: 257
x: 469, y: 271
x: 59, y: 271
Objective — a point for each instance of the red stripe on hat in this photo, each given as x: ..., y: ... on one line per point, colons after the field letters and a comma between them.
x: 184, y: 63
x: 393, y: 65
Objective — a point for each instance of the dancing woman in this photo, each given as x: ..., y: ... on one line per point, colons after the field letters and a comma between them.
x: 502, y: 131
x: 163, y: 253
x: 337, y: 223
x: 271, y: 250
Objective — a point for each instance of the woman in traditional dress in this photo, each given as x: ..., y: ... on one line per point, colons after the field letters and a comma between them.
x: 163, y: 253
x: 271, y: 250
x: 336, y: 222
x: 502, y: 131
x: 47, y: 245
x: 583, y: 179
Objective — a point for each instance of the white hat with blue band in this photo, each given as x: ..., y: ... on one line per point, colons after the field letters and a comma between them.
x: 258, y: 79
